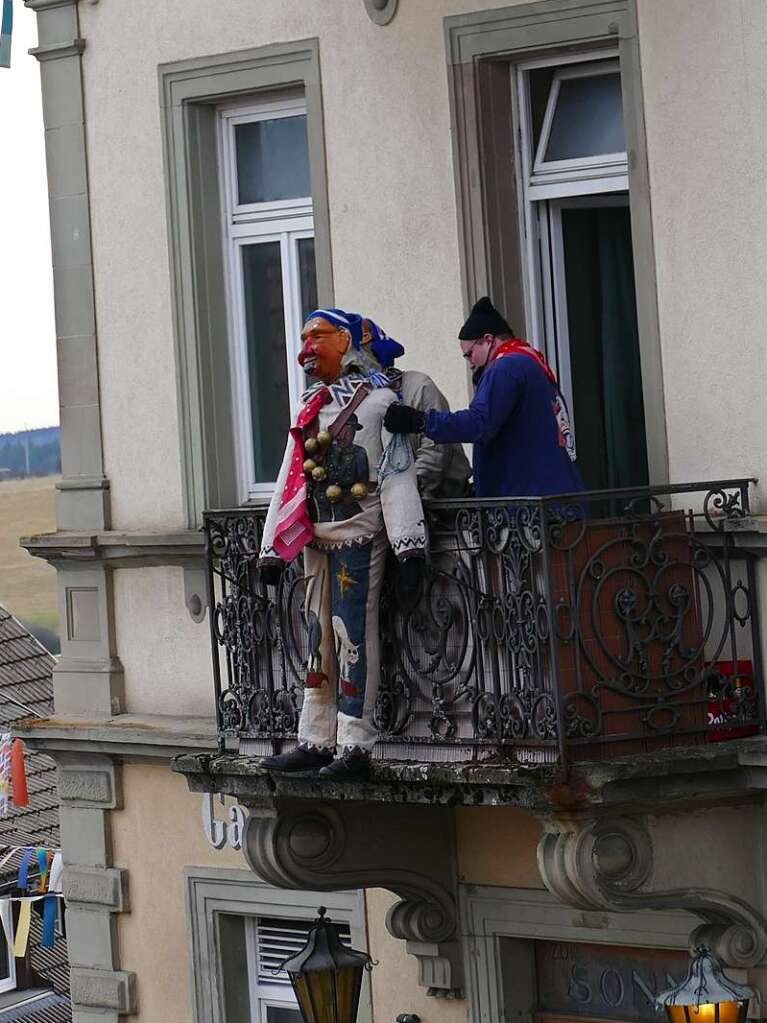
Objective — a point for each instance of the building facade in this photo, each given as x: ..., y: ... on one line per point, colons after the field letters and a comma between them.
x: 217, y: 170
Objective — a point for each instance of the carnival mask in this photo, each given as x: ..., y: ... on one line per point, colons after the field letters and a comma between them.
x: 323, y: 346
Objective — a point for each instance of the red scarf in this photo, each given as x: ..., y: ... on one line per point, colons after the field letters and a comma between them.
x: 294, y: 528
x: 516, y: 346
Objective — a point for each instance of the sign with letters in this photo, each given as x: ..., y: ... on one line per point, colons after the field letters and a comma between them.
x: 605, y: 981
x: 222, y: 832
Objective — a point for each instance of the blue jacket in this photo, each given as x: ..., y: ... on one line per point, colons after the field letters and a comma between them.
x: 520, y: 429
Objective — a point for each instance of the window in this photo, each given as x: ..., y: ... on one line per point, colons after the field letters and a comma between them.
x: 253, y: 949
x: 242, y: 930
x: 548, y: 105
x: 581, y: 287
x: 272, y: 285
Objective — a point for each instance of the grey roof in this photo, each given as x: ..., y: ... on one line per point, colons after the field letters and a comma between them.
x: 49, y: 1008
x: 26, y: 690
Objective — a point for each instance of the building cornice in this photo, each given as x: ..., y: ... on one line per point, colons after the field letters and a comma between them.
x: 125, y: 548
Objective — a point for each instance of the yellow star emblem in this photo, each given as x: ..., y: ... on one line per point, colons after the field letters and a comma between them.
x: 344, y: 579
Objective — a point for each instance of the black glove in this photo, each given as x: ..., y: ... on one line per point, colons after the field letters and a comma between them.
x: 271, y: 573
x: 404, y: 419
x: 410, y: 578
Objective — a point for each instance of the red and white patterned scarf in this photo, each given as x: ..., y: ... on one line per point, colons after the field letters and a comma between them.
x: 516, y: 346
x: 294, y: 527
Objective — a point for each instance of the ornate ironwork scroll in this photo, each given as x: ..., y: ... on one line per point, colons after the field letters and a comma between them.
x: 588, y: 627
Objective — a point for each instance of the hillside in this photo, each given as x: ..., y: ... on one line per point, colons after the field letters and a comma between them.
x: 27, y: 585
x: 30, y: 453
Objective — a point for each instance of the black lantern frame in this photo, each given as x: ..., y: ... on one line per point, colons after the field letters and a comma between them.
x: 707, y: 994
x: 326, y: 976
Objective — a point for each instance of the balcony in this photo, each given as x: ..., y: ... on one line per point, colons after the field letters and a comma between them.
x: 548, y: 631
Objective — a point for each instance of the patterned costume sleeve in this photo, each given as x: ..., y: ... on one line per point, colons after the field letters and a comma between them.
x: 267, y: 554
x: 402, y: 508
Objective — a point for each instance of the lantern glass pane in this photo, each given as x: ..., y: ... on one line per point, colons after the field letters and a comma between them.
x: 728, y: 1012
x: 348, y: 984
x: 322, y: 993
x: 303, y: 997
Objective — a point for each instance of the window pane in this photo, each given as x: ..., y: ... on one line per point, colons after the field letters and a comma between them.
x: 276, y: 1014
x: 234, y: 968
x: 307, y: 276
x: 272, y: 160
x: 588, y: 119
x: 267, y: 362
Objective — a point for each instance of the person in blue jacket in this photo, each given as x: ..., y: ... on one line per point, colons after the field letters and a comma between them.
x: 518, y: 420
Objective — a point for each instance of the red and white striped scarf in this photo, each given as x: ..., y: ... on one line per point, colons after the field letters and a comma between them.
x: 294, y: 527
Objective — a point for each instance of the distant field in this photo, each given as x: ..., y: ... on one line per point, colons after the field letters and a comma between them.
x: 27, y: 585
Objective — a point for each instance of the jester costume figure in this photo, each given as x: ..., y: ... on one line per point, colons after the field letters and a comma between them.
x: 335, y: 502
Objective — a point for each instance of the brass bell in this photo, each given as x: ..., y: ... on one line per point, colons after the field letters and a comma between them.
x: 319, y: 472
x: 324, y: 438
x: 310, y: 445
x: 334, y: 493
x: 309, y: 465
x: 359, y: 490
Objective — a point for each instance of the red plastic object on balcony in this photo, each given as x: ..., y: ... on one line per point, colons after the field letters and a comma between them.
x: 724, y: 709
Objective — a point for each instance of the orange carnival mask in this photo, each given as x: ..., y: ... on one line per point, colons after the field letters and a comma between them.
x: 323, y: 346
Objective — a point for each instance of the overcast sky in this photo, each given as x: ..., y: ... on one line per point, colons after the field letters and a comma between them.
x: 28, y: 391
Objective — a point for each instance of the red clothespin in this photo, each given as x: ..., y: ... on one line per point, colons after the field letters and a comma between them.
x: 19, y: 774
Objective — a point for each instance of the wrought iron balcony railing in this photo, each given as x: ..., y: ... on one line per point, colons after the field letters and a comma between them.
x: 548, y: 630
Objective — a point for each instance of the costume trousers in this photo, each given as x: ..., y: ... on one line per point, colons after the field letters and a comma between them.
x: 343, y: 590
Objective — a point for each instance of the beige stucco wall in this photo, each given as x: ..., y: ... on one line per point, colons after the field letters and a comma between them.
x: 497, y: 845
x: 156, y: 835
x: 705, y: 87
x: 392, y: 204
x: 392, y: 208
x: 165, y: 654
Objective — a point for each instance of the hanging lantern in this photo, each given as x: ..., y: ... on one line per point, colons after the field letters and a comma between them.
x: 326, y: 976
x: 707, y: 995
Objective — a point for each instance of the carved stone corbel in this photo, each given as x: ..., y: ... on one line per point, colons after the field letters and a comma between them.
x: 609, y: 864
x: 305, y: 845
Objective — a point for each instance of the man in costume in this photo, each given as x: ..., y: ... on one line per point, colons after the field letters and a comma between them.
x: 442, y: 469
x: 517, y: 421
x: 344, y: 505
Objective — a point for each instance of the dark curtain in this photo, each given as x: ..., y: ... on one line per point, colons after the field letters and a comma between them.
x: 604, y: 347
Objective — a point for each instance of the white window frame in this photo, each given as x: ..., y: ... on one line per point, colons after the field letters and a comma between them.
x: 545, y: 327
x: 286, y: 222
x: 6, y: 910
x: 604, y: 161
x: 211, y: 892
x: 263, y: 996
x: 557, y: 178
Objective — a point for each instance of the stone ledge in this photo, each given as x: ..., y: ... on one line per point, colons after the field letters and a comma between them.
x: 715, y: 772
x: 128, y: 735
x: 123, y: 547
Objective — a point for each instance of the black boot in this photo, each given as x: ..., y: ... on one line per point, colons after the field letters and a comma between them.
x: 302, y: 758
x: 350, y: 766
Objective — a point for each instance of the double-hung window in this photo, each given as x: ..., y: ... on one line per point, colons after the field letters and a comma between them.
x: 269, y: 242
x: 580, y: 274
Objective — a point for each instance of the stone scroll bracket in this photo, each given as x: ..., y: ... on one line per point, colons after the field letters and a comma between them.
x: 624, y: 864
x: 307, y: 845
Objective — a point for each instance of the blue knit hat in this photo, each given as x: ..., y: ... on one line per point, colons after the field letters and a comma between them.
x: 340, y: 318
x: 385, y: 348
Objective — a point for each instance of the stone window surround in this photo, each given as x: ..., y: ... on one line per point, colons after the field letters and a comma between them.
x: 489, y: 914
x: 190, y: 91
x: 211, y: 891
x: 482, y: 48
